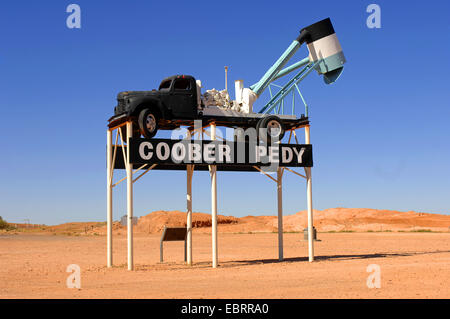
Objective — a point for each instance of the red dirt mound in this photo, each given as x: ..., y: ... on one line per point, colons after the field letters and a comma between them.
x: 333, y: 219
x: 155, y: 221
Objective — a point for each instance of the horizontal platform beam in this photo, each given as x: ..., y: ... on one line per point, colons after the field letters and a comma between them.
x: 245, y: 121
x: 204, y: 167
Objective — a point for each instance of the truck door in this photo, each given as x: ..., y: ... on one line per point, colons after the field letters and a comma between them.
x: 183, y: 100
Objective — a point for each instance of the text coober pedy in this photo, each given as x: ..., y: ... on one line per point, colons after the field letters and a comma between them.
x: 167, y: 151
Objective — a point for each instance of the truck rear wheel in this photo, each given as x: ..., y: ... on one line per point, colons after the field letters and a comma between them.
x: 148, y: 123
x: 270, y: 128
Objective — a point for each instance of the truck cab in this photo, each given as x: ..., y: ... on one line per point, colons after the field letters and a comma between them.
x: 179, y: 95
x: 173, y: 104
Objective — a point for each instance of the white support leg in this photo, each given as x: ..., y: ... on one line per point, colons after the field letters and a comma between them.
x: 189, y: 171
x: 309, y: 200
x: 109, y: 170
x: 129, y: 199
x: 280, y: 212
x: 213, y: 172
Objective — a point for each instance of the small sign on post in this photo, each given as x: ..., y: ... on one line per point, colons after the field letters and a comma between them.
x: 173, y: 234
x: 305, y: 234
x: 124, y: 220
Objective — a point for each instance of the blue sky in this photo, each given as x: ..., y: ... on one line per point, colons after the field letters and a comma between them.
x: 380, y: 134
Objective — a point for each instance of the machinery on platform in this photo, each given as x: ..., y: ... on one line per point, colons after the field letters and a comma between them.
x: 178, y: 100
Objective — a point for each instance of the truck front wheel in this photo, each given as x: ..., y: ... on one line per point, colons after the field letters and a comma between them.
x: 148, y: 123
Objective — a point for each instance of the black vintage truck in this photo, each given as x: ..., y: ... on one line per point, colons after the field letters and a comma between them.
x: 177, y: 102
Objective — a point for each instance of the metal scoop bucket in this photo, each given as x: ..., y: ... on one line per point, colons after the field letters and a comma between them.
x: 324, y: 48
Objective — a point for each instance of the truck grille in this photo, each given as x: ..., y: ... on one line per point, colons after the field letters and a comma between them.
x: 120, y: 106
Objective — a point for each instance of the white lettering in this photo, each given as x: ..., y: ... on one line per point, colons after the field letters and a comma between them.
x: 373, y: 20
x: 166, y: 151
x: 274, y: 154
x: 209, y: 152
x: 142, y: 150
x: 198, y: 309
x: 299, y: 154
x: 224, y: 150
x: 74, y: 279
x: 286, y: 154
x: 260, y: 152
x: 73, y: 20
x: 178, y: 152
x: 374, y: 279
x: 195, y: 153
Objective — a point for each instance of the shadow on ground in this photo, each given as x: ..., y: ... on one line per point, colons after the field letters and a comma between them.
x: 338, y: 257
x: 240, y: 263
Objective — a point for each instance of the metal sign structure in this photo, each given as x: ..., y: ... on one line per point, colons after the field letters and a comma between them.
x: 225, y: 153
x: 172, y: 234
x: 135, y: 156
x: 141, y: 155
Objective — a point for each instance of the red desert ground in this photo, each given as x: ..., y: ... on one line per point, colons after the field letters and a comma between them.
x: 411, y: 248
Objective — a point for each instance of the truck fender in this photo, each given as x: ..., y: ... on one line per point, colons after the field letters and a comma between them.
x: 142, y: 103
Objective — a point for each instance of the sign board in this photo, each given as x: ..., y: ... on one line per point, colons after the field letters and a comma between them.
x: 171, y: 153
x: 124, y: 220
x: 174, y: 233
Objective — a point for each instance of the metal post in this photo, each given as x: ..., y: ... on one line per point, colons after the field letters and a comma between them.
x: 226, y: 78
x: 161, y: 245
x: 213, y: 169
x: 189, y: 172
x: 129, y: 198
x: 309, y: 200
x: 280, y: 213
x: 109, y: 169
x: 185, y: 253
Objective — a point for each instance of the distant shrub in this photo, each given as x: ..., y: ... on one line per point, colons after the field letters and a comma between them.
x: 5, y: 225
x: 422, y: 231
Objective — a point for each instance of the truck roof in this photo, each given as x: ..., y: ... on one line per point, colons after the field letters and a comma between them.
x: 184, y: 76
